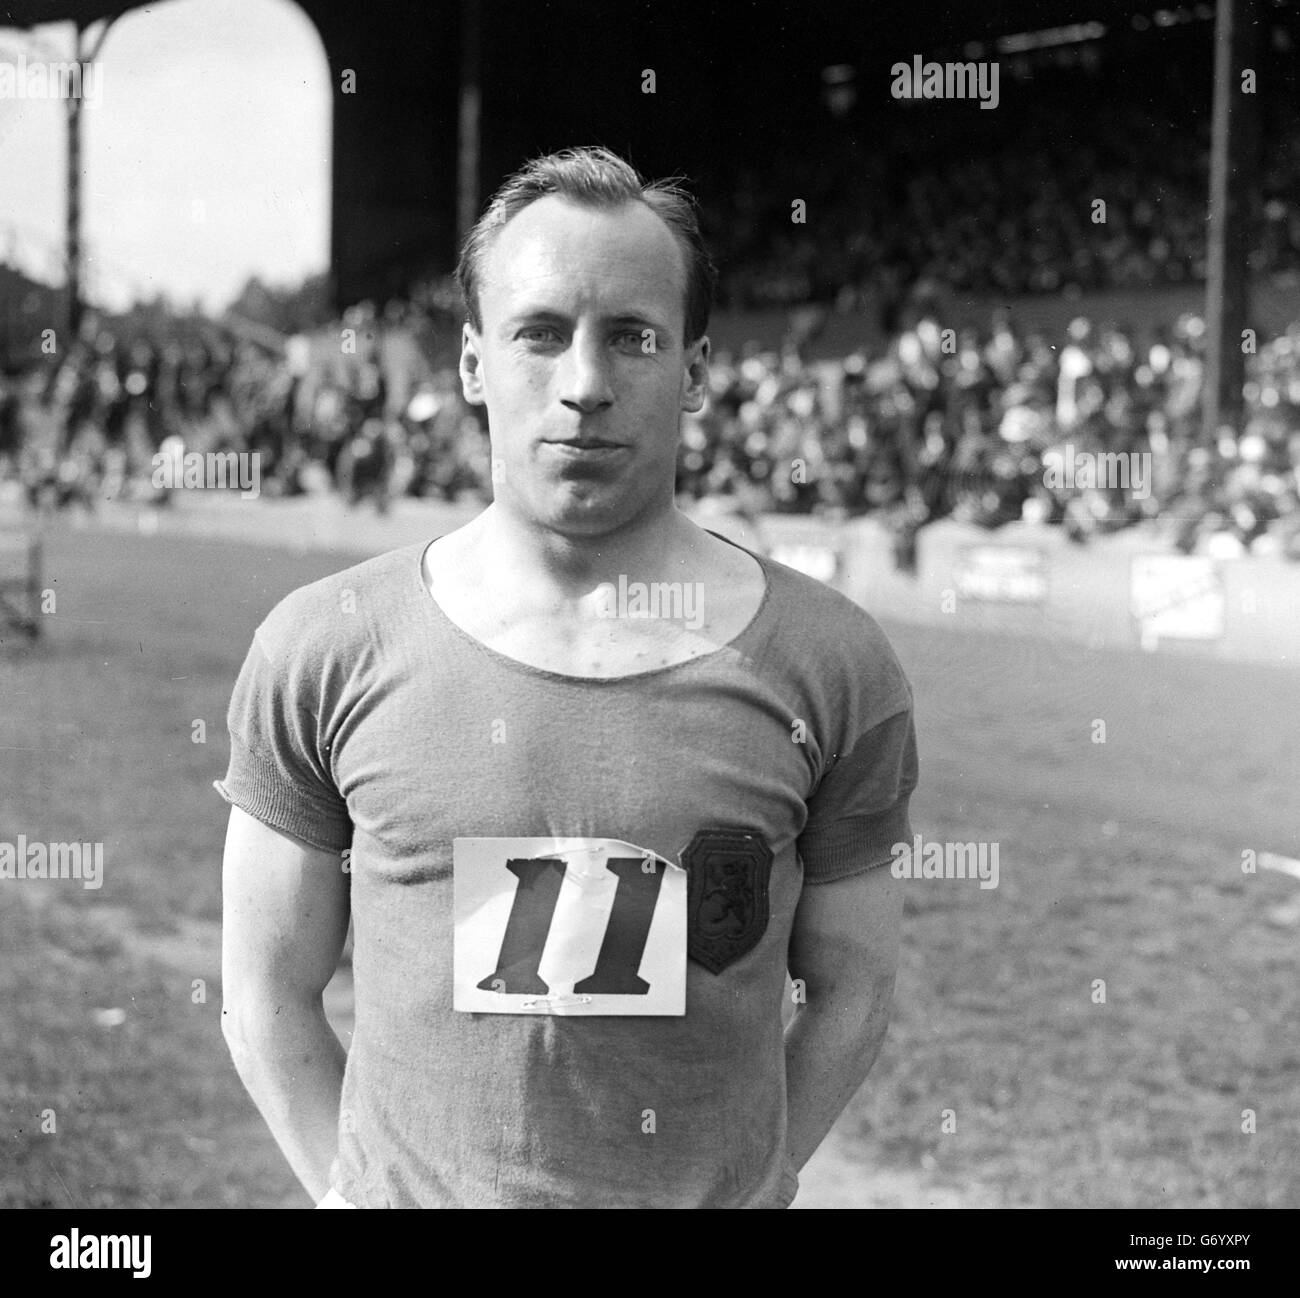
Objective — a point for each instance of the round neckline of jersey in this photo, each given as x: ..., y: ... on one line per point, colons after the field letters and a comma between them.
x: 515, y: 664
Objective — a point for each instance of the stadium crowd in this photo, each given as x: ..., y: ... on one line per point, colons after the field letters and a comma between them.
x: 927, y: 422
x: 936, y: 422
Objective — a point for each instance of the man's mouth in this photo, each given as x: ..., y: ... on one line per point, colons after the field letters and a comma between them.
x: 585, y: 443
x: 589, y: 451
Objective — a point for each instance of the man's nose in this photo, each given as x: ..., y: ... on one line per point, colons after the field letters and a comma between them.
x: 585, y: 383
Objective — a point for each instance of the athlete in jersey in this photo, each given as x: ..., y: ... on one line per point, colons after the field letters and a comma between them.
x: 470, y: 790
x: 586, y: 777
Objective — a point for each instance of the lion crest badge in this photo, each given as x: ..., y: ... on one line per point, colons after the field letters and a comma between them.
x: 727, y: 907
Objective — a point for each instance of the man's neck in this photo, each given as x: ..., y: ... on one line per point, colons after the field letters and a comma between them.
x: 549, y: 606
x: 512, y: 552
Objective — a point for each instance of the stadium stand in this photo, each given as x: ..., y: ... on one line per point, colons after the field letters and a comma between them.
x: 923, y: 418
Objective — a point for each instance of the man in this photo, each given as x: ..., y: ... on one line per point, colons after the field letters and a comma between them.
x: 587, y: 776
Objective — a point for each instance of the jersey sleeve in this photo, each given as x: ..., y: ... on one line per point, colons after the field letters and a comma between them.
x: 859, y: 810
x: 279, y: 769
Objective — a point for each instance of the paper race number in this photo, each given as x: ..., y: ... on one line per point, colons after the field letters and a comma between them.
x: 568, y: 926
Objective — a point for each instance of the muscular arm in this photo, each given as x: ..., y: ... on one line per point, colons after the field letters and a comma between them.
x: 285, y: 918
x: 845, y: 948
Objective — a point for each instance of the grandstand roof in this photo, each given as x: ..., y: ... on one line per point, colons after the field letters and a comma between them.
x: 824, y: 24
x: 31, y: 13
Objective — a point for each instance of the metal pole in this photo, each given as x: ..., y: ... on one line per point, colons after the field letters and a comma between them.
x: 74, y: 251
x: 73, y: 111
x: 467, y: 177
x: 1234, y: 147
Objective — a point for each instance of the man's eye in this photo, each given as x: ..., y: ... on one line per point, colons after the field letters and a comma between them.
x: 539, y: 334
x: 629, y: 338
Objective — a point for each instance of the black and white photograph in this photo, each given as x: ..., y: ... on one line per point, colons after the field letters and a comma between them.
x: 674, y: 604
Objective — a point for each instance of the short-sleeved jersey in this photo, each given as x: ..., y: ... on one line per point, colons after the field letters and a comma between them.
x: 366, y: 722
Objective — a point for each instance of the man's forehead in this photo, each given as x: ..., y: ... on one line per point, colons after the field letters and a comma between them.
x: 611, y: 257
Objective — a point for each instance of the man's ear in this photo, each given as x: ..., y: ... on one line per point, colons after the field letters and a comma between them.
x: 471, y: 365
x: 695, y: 376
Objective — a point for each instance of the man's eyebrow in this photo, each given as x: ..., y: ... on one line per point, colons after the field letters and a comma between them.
x: 548, y: 315
x: 533, y: 315
x: 640, y: 318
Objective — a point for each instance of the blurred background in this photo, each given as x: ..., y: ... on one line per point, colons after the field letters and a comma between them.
x: 242, y: 241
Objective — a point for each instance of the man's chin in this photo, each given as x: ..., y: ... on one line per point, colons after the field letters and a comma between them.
x: 589, y: 509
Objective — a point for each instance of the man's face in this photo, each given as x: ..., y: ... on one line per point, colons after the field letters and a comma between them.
x: 582, y: 364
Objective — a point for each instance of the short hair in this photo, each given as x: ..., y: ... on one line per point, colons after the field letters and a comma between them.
x: 594, y: 177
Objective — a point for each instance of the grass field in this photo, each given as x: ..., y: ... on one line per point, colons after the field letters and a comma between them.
x: 1119, y: 861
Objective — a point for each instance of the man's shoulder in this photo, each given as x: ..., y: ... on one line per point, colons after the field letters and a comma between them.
x: 830, y: 634
x: 824, y: 614
x: 343, y: 608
